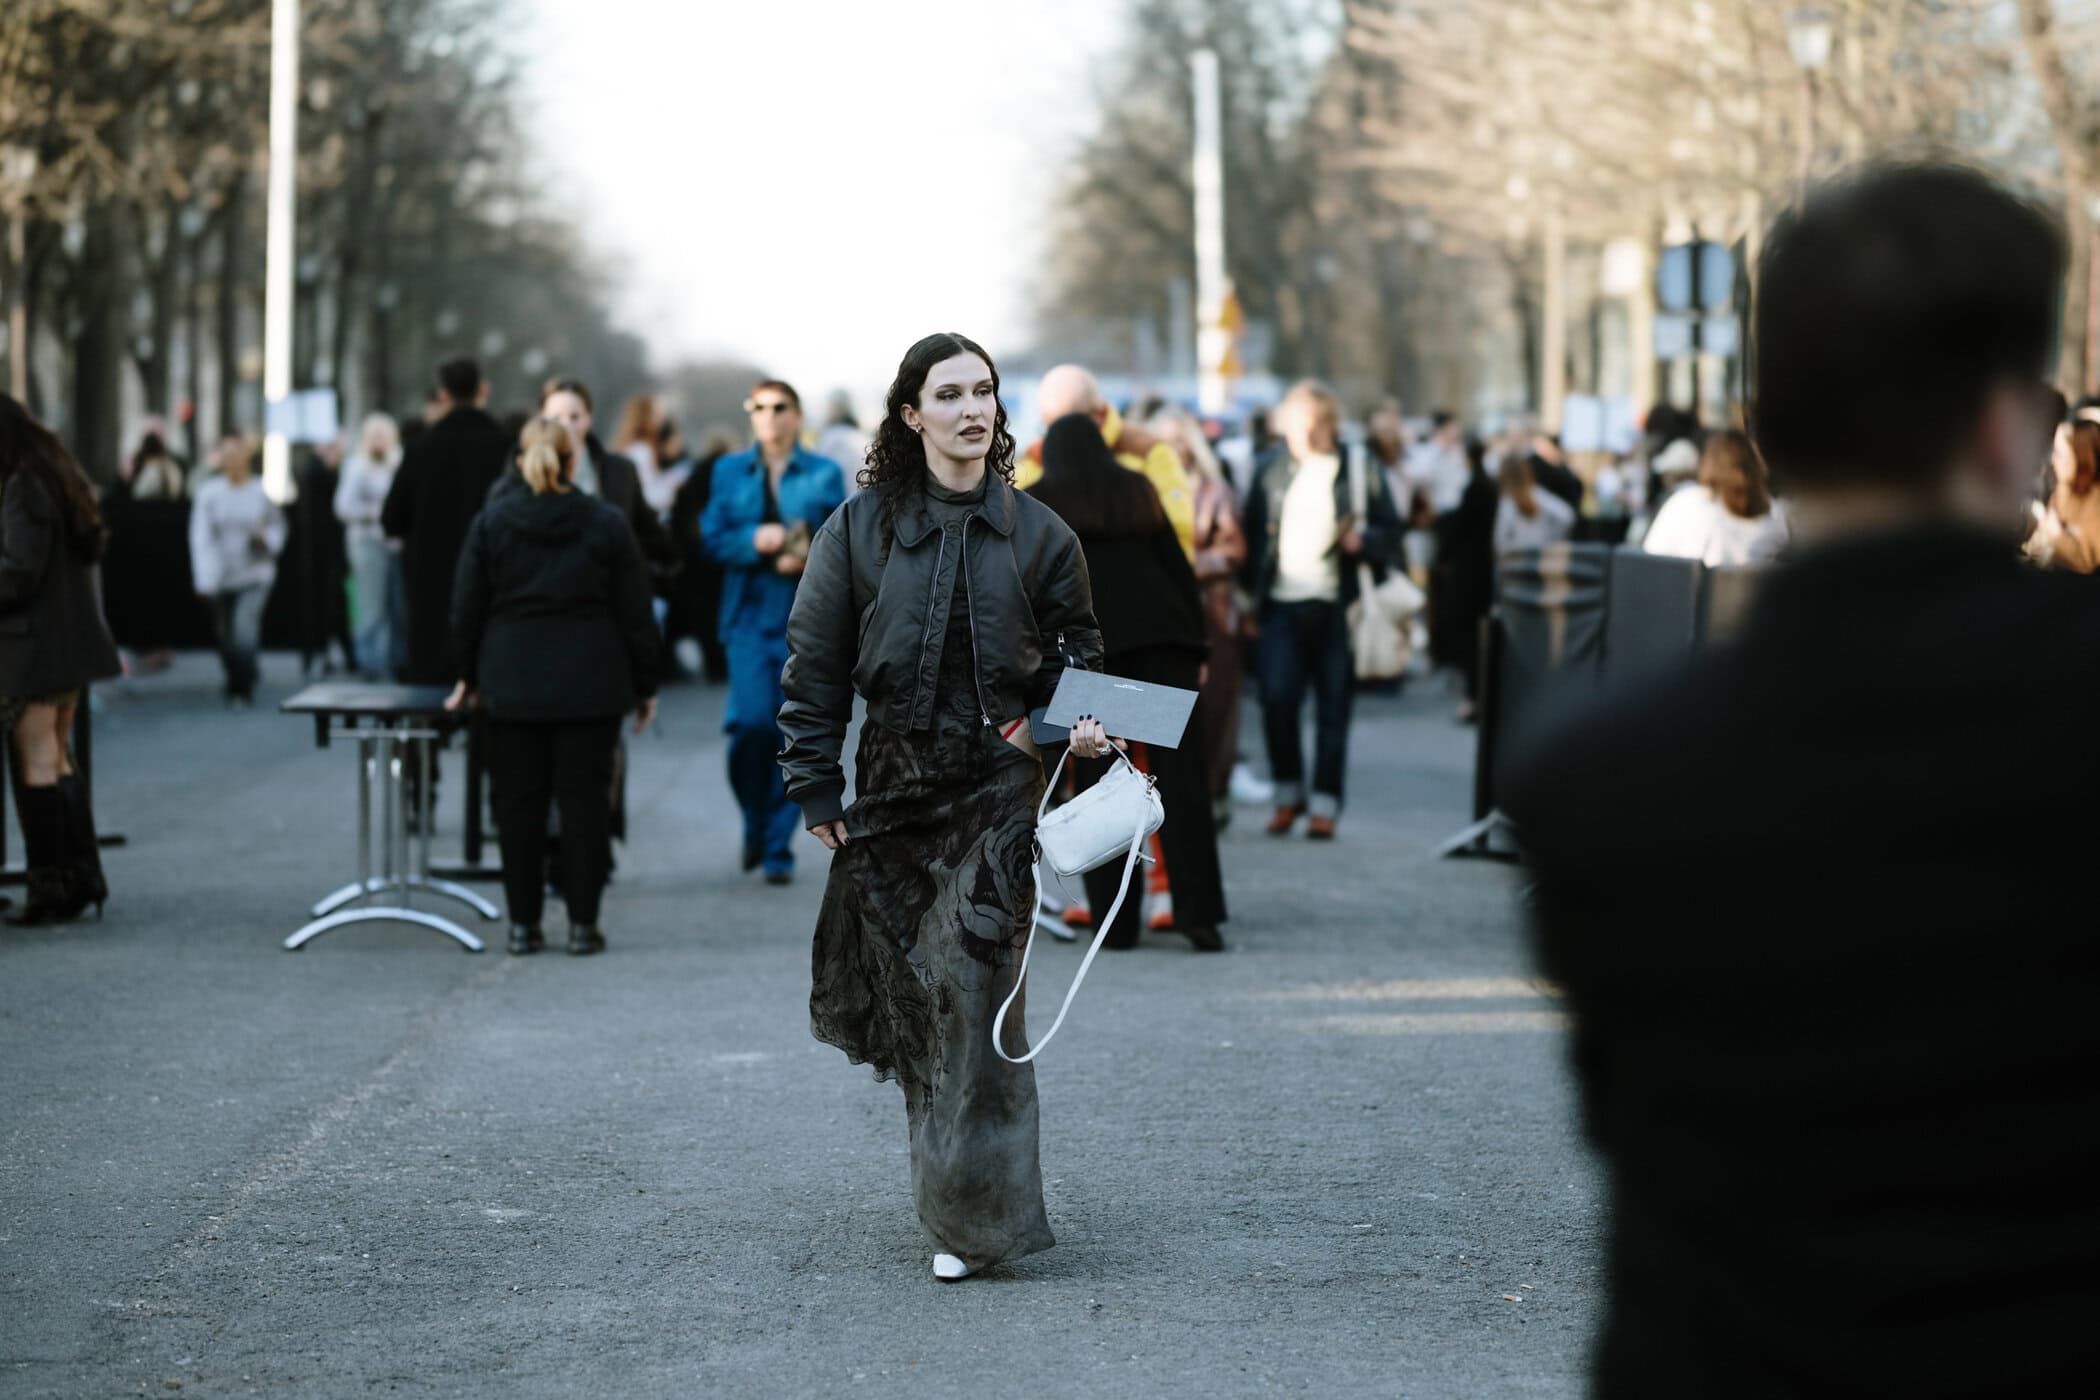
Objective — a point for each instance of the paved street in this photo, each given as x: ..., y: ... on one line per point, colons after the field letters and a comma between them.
x: 1321, y: 1165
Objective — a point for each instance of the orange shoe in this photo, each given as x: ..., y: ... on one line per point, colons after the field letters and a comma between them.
x: 1283, y: 819
x: 1077, y: 916
x: 1320, y: 828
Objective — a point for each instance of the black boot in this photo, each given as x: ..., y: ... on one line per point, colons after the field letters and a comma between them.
x: 85, y: 884
x: 44, y: 844
x: 526, y: 938
x: 585, y: 939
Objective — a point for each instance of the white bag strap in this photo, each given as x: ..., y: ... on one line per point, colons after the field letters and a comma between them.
x: 1108, y: 921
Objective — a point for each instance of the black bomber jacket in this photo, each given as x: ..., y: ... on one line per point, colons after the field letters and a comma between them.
x: 874, y: 626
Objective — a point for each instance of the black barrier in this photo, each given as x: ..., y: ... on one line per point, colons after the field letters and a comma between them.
x: 151, y: 602
x: 1565, y: 619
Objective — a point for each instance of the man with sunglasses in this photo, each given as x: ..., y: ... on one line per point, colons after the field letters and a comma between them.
x: 765, y: 504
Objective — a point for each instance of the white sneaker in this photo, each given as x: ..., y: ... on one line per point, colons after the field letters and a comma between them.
x: 947, y: 1268
x: 1249, y: 790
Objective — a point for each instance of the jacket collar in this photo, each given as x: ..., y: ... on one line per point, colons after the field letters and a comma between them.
x: 798, y: 459
x: 998, y: 511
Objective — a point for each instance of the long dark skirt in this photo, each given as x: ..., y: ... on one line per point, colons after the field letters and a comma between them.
x: 919, y: 939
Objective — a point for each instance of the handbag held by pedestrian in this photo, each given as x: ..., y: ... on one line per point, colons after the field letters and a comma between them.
x: 1114, y: 817
x: 1382, y: 614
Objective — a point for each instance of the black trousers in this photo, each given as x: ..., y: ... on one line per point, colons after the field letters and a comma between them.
x: 1188, y: 838
x: 570, y: 764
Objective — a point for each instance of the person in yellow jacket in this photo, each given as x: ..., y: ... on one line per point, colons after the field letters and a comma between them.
x: 1071, y: 389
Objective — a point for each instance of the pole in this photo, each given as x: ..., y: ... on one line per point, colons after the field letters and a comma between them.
x: 1213, y: 340
x: 2092, y: 306
x: 1698, y: 312
x: 281, y: 242
x: 1808, y: 130
x: 1553, y: 334
x: 18, y: 304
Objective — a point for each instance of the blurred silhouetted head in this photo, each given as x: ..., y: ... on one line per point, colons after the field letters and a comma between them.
x: 461, y: 381
x: 1090, y: 490
x: 1905, y: 317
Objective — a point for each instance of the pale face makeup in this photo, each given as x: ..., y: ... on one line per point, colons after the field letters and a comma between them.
x: 958, y: 407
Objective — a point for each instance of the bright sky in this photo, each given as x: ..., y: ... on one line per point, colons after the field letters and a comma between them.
x: 814, y: 184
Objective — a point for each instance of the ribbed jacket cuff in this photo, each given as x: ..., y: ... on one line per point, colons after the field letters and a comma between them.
x: 821, y: 805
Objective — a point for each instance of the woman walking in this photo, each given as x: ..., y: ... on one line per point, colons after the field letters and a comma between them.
x: 552, y: 635
x: 375, y: 561
x: 1152, y: 629
x: 236, y: 534
x: 53, y: 643
x: 948, y: 601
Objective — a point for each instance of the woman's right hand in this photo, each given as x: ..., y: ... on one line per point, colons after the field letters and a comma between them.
x: 832, y: 834
x: 461, y: 698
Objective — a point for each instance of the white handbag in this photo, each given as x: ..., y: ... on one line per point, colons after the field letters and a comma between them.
x: 1114, y: 817
x: 1381, y: 616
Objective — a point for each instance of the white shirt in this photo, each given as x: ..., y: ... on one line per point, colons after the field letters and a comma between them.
x: 1516, y: 531
x: 1694, y: 524
x: 1440, y: 469
x: 1308, y: 568
x: 362, y: 492
x: 236, y: 534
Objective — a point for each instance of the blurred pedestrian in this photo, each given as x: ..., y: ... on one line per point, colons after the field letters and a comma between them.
x: 696, y: 591
x: 375, y: 561
x: 236, y: 534
x: 765, y: 505
x: 323, y: 566
x: 54, y: 642
x: 639, y: 440
x: 439, y: 488
x: 1727, y: 515
x: 1220, y: 552
x: 1465, y: 579
x: 155, y: 473
x: 948, y: 602
x: 1836, y: 1056
x: 610, y: 476
x: 1152, y: 630
x: 1072, y: 389
x: 553, y: 639
x: 842, y: 440
x: 1528, y: 517
x: 1304, y: 546
x: 2067, y: 529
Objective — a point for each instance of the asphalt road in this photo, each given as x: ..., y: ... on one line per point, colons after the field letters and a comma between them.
x: 1339, y: 1160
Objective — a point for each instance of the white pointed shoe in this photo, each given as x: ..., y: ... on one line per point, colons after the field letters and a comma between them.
x: 947, y: 1268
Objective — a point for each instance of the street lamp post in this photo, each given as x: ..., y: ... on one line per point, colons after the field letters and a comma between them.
x: 2092, y: 295
x: 279, y: 261
x: 1809, y: 35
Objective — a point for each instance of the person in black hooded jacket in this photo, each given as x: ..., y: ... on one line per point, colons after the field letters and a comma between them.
x: 552, y: 634
x: 1152, y: 629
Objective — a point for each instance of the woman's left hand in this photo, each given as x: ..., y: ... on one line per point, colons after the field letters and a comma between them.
x: 1090, y: 740
x: 463, y: 697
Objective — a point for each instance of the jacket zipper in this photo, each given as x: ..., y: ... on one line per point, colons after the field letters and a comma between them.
x: 932, y: 596
x: 970, y: 608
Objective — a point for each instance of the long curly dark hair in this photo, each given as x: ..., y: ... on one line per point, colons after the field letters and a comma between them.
x: 27, y: 446
x: 896, y: 457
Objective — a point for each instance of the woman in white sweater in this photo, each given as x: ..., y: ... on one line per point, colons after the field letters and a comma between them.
x: 375, y: 562
x: 236, y: 534
x: 1728, y: 515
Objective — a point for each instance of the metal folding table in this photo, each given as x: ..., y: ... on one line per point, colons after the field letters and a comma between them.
x: 396, y: 728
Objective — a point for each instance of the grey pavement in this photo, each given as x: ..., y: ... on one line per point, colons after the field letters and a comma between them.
x: 1322, y: 1164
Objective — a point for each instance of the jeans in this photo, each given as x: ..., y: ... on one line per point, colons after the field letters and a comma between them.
x: 755, y: 661
x: 381, y: 625
x: 236, y: 615
x: 1301, y: 644
x: 568, y: 763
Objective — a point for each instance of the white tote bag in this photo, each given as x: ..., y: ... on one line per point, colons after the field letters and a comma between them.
x: 1380, y: 618
x: 1114, y: 817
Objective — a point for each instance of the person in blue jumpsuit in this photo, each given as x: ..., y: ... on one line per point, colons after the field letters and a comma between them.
x: 765, y: 504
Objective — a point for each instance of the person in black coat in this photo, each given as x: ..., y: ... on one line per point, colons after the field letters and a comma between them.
x: 552, y: 635
x: 1152, y: 629
x: 1813, y: 897
x: 53, y: 643
x: 439, y: 488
